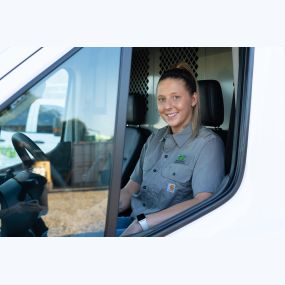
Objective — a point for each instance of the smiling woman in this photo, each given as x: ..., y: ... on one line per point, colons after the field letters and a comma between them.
x: 180, y: 165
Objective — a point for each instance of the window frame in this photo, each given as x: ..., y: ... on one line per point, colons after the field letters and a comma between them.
x: 120, y: 122
x: 232, y: 181
x: 119, y: 140
x: 36, y: 79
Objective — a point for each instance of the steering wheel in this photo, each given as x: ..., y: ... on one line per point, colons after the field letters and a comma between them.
x: 22, y: 144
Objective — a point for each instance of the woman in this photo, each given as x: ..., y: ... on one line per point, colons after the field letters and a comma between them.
x: 180, y: 165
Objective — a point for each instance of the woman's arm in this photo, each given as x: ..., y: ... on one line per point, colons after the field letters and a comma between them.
x: 126, y: 194
x: 159, y: 217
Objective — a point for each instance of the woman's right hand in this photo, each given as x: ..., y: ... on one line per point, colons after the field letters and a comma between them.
x: 126, y: 195
x: 125, y: 200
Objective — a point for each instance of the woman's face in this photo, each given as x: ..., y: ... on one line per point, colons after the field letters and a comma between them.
x: 175, y: 104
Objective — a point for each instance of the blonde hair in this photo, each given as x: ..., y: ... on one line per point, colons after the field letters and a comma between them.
x: 184, y: 72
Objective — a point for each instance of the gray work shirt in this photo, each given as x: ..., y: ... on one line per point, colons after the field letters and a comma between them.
x: 175, y: 167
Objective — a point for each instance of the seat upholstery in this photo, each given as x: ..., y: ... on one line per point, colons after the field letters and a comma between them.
x: 212, y: 106
x: 211, y: 100
x: 135, y: 134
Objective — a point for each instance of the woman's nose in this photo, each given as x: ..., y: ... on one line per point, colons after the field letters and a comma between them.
x: 168, y: 104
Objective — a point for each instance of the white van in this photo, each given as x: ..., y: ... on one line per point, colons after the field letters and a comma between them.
x: 40, y: 122
x: 93, y: 155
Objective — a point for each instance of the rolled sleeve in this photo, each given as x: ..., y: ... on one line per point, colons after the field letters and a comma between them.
x: 137, y: 174
x: 210, y: 167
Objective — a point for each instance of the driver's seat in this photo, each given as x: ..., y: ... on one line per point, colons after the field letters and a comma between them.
x: 135, y: 134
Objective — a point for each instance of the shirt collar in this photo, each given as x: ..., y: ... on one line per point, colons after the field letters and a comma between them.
x: 179, y: 138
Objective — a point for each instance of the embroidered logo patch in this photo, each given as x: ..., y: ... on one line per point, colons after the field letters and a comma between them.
x: 180, y: 158
x: 171, y: 187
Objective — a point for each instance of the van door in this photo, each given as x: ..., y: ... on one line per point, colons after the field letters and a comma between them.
x: 85, y: 164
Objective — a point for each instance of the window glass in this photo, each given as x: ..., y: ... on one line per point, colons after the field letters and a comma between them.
x: 17, y: 124
x: 49, y: 116
x: 71, y: 117
x: 39, y: 110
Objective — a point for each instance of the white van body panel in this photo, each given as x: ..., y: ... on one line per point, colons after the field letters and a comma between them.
x: 11, y: 57
x: 28, y: 70
x: 250, y: 212
x: 242, y: 241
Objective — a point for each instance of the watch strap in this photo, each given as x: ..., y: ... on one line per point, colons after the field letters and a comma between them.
x: 144, y: 225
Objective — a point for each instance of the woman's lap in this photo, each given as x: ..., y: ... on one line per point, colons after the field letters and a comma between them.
x: 122, y: 224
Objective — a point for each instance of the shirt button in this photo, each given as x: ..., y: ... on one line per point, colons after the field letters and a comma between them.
x: 143, y: 204
x: 166, y: 156
x: 144, y: 187
x: 173, y: 173
x: 154, y: 170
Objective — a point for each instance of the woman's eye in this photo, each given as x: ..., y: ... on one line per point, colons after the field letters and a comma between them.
x: 161, y: 100
x: 175, y: 98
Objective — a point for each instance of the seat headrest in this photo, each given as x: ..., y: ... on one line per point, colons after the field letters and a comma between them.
x: 136, y: 112
x: 211, y: 101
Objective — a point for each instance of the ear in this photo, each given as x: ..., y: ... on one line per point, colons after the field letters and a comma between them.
x: 194, y: 99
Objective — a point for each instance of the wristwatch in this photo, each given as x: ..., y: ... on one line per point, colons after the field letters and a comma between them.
x: 142, y: 221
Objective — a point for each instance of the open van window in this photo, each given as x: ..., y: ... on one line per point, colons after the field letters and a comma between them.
x: 216, y: 70
x: 85, y: 113
x: 233, y: 132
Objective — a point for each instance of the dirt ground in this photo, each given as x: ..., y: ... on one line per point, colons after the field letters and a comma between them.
x: 75, y: 212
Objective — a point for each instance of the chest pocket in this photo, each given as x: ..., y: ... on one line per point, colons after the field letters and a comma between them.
x: 178, y: 172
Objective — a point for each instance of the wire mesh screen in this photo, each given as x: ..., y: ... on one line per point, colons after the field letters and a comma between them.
x: 148, y: 62
x: 140, y: 71
x: 172, y: 56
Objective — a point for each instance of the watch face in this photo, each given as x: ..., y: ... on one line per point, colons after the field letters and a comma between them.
x: 140, y: 217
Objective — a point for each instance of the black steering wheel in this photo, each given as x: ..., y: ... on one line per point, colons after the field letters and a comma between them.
x: 22, y: 144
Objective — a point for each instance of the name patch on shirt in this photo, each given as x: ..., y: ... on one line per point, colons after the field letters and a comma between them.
x: 180, y: 158
x: 171, y: 188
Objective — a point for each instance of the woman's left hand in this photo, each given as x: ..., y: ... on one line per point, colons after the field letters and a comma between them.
x: 133, y: 228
